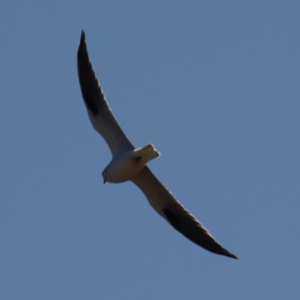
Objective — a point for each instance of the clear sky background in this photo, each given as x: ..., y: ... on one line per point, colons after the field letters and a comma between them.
x: 214, y: 85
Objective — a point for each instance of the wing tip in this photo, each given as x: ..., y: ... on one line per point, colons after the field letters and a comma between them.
x: 218, y: 249
x: 82, y: 39
x: 231, y: 255
x: 87, y: 77
x: 82, y: 46
x: 222, y: 251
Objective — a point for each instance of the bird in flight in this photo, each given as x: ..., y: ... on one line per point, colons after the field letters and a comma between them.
x: 130, y: 163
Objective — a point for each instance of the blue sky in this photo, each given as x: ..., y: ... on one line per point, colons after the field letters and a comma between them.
x: 214, y: 85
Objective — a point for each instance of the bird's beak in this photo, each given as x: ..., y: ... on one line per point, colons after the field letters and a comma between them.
x: 104, y: 181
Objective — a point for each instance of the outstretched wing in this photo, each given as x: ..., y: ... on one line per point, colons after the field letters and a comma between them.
x: 98, y: 108
x: 169, y: 208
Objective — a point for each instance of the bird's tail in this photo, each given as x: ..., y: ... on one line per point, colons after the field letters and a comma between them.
x: 145, y: 154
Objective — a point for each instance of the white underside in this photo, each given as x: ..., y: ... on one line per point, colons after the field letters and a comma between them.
x: 127, y: 165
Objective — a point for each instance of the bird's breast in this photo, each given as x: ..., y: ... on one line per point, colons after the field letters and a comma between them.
x: 122, y: 168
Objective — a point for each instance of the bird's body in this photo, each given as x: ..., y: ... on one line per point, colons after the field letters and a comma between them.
x: 130, y: 163
x: 125, y: 166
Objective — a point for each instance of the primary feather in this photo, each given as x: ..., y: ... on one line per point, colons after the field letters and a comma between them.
x: 98, y: 109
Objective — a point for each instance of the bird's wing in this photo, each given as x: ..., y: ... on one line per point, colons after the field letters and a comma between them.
x: 169, y: 208
x: 98, y: 108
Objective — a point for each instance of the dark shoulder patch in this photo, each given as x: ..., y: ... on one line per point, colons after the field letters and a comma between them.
x: 174, y: 221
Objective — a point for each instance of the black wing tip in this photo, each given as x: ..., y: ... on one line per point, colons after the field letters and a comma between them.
x: 218, y: 249
x: 82, y: 46
x: 83, y: 60
x: 82, y: 39
x: 227, y: 253
x: 87, y: 78
x: 215, y: 247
